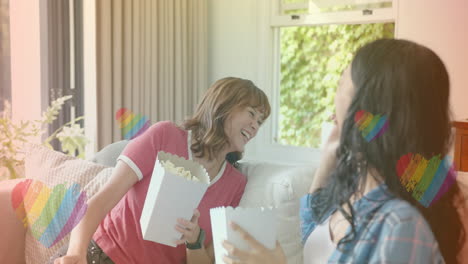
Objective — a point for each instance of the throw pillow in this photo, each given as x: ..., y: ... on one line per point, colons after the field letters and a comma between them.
x: 52, y: 168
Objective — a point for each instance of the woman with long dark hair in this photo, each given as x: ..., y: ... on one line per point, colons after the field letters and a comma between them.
x: 357, y: 210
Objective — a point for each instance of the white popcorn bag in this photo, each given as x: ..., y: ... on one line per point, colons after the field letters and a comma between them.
x: 171, y: 195
x: 259, y: 222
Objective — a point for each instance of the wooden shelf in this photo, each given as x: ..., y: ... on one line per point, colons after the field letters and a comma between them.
x: 461, y: 145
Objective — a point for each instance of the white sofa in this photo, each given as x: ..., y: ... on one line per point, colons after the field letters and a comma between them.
x: 269, y: 184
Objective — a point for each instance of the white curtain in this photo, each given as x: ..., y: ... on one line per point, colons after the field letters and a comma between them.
x: 151, y: 59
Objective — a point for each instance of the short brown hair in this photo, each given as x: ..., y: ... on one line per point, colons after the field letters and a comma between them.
x: 221, y: 99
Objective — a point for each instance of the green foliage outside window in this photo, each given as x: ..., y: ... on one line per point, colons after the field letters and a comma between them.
x: 312, y: 60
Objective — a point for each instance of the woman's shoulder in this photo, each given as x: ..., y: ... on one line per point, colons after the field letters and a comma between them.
x: 399, y: 228
x: 398, y: 217
x: 166, y: 125
x: 167, y: 128
x: 398, y: 210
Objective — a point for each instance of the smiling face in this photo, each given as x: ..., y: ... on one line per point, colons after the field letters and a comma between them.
x: 228, y: 116
x: 241, y: 126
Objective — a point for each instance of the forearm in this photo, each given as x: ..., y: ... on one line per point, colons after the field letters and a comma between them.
x: 198, y: 256
x: 321, y: 175
x: 99, y: 205
x: 82, y: 234
x: 327, y: 162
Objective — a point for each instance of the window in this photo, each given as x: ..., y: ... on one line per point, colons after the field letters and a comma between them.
x: 5, y: 72
x: 314, y: 41
x: 65, y: 60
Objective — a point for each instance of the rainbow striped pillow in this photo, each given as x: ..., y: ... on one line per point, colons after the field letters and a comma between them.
x: 53, y: 168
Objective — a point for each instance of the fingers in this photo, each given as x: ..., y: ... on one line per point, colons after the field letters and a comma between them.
x: 187, y: 235
x: 180, y: 241
x: 247, y: 237
x: 188, y: 229
x: 235, y: 255
x: 61, y: 260
x: 193, y: 223
x: 229, y: 260
x: 182, y: 230
x: 196, y: 215
x: 65, y: 259
x: 187, y: 224
x: 257, y: 254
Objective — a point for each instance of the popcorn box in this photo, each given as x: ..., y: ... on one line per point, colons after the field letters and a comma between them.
x: 170, y: 197
x: 259, y: 222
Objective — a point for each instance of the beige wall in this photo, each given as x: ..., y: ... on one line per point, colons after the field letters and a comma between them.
x: 442, y: 26
x: 232, y: 39
x: 25, y: 59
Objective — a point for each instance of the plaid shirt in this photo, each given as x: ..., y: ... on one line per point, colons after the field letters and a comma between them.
x: 388, y: 230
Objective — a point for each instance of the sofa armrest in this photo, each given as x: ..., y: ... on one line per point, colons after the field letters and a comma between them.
x: 12, y: 242
x: 109, y: 154
x: 279, y: 186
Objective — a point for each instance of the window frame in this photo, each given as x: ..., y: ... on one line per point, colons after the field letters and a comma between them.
x: 266, y: 146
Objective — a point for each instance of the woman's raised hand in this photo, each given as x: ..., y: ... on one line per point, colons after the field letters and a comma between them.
x: 71, y: 260
x: 258, y: 254
x: 189, y: 229
x: 327, y: 161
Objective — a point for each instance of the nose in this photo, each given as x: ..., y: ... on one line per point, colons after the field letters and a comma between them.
x: 254, y: 125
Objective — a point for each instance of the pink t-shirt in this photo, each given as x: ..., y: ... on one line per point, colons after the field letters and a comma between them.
x: 119, y: 234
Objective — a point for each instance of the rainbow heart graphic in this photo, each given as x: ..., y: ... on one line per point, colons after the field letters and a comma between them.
x: 370, y: 126
x: 426, y: 180
x: 50, y: 213
x: 131, y: 125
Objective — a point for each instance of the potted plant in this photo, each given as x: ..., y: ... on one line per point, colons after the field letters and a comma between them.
x: 14, y: 135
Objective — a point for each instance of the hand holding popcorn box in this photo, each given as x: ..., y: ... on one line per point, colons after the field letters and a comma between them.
x: 176, y: 188
x: 260, y: 223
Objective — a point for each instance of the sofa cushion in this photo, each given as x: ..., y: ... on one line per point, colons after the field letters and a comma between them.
x: 269, y: 185
x: 93, y: 186
x: 52, y: 168
x: 109, y: 154
x: 279, y: 186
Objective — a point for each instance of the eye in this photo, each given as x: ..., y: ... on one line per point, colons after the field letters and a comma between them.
x: 252, y: 114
